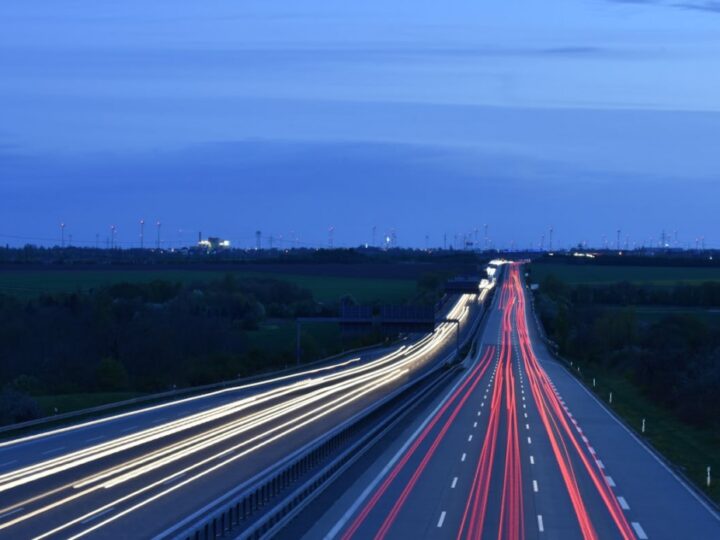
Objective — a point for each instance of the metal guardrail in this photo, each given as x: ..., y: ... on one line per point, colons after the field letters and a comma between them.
x: 314, y: 486
x: 243, y: 509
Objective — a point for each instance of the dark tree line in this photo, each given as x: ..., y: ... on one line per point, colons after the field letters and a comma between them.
x: 140, y: 337
x: 675, y: 360
x: 624, y: 293
x: 149, y: 337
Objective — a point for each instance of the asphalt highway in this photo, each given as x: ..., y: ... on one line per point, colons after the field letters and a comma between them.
x: 139, y: 474
x: 515, y: 448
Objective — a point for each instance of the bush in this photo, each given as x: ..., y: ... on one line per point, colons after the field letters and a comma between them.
x: 17, y: 407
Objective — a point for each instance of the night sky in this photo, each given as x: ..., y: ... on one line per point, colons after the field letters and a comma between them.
x: 422, y: 117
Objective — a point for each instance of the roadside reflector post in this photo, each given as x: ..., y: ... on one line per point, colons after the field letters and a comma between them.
x: 593, y: 382
x: 643, y: 425
x: 610, y: 399
x: 708, y: 477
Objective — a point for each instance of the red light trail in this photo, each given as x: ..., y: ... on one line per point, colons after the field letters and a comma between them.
x: 501, y: 456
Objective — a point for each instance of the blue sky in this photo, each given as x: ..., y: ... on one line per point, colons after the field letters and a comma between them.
x: 428, y: 118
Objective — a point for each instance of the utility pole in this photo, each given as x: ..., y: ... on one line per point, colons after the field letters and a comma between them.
x: 112, y: 236
x: 550, y: 244
x: 62, y: 235
x: 618, y: 239
x: 374, y: 232
x: 157, y: 242
x: 142, y: 233
x: 258, y: 240
x: 487, y: 240
x: 331, y: 240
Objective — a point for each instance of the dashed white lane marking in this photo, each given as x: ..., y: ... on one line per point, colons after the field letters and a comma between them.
x: 474, y: 424
x: 529, y: 440
x: 600, y: 464
x: 130, y: 428
x: 8, y: 463
x: 525, y: 415
x: 11, y: 512
x: 463, y: 457
x: 469, y: 438
x: 479, y: 413
x: 639, y: 530
x: 610, y: 481
x: 540, y: 523
x: 535, y: 486
x: 623, y: 503
x: 173, y: 479
x: 592, y: 450
x: 524, y: 406
x: 527, y: 426
x: 442, y: 519
x: 93, y: 439
x: 58, y: 449
x: 454, y: 483
x: 532, y: 460
x: 97, y: 515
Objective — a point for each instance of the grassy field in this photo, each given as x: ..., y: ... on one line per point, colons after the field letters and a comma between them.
x: 691, y: 449
x: 575, y: 274
x: 325, y: 289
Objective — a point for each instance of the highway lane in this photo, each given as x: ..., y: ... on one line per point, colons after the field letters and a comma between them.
x: 504, y: 455
x: 140, y: 483
x: 19, y: 451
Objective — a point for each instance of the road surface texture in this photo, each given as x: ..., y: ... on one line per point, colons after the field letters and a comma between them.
x: 515, y: 448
